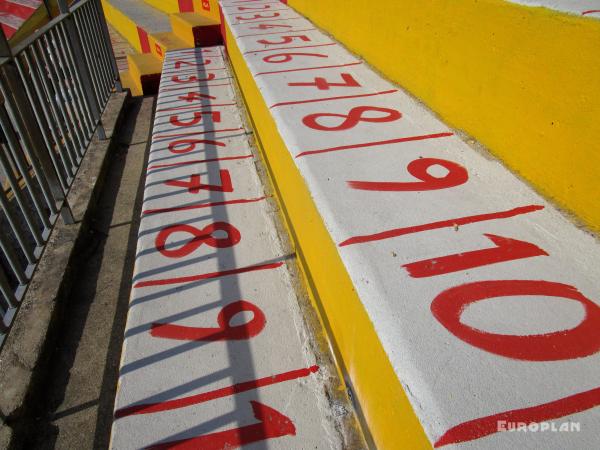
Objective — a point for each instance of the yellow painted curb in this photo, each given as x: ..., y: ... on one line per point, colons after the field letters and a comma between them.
x: 523, y: 81
x: 145, y: 70
x: 128, y: 82
x: 167, y: 6
x: 161, y: 43
x: 384, y: 404
x: 123, y: 24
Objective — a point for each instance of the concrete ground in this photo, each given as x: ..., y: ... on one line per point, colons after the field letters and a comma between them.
x: 75, y: 411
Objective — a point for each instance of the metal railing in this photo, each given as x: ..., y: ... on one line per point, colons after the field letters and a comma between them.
x: 54, y: 86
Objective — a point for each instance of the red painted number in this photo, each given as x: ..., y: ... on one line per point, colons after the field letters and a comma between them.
x: 505, y: 249
x: 192, y: 78
x: 193, y: 96
x: 324, y: 85
x: 578, y: 342
x: 182, y: 146
x: 266, y: 26
x: 279, y: 58
x: 258, y: 16
x: 194, y: 185
x: 285, y: 39
x: 456, y: 176
x: 215, y: 116
x: 224, y: 332
x: 203, y: 236
x: 180, y: 63
x: 272, y: 425
x: 353, y: 118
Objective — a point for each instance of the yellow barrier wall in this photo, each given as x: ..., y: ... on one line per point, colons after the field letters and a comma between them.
x: 525, y: 82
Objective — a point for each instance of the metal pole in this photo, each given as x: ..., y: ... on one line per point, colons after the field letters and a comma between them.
x: 113, y: 60
x: 25, y: 121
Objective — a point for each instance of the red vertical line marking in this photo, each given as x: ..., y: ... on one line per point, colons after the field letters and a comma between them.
x: 309, y: 68
x: 289, y: 48
x: 276, y: 32
x: 186, y: 6
x: 144, y: 41
x: 442, y: 224
x: 206, y: 276
x: 217, y: 393
x: 484, y: 426
x: 201, y: 205
x: 297, y: 102
x: 375, y: 143
x: 198, y: 161
x: 192, y: 133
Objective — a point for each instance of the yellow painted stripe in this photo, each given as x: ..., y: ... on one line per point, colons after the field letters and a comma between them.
x: 387, y: 410
x: 161, y: 43
x: 167, y: 6
x: 123, y: 24
x: 523, y: 81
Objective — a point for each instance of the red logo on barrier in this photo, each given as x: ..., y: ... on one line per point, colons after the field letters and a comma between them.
x: 205, y: 5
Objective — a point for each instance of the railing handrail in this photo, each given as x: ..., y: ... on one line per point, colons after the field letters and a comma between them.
x: 54, y: 86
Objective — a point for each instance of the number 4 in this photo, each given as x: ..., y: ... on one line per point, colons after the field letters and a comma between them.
x: 194, y: 186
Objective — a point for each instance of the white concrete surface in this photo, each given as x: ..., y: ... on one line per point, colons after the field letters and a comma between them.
x: 588, y: 8
x: 250, y: 378
x: 506, y: 356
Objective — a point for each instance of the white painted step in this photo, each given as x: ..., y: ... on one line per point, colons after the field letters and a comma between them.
x: 428, y: 227
x: 217, y: 353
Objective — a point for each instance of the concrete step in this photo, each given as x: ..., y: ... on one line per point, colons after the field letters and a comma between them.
x: 153, y: 31
x: 222, y: 349
x: 404, y: 228
x: 144, y: 70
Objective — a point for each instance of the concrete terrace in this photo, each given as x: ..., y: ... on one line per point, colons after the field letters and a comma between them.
x: 324, y: 225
